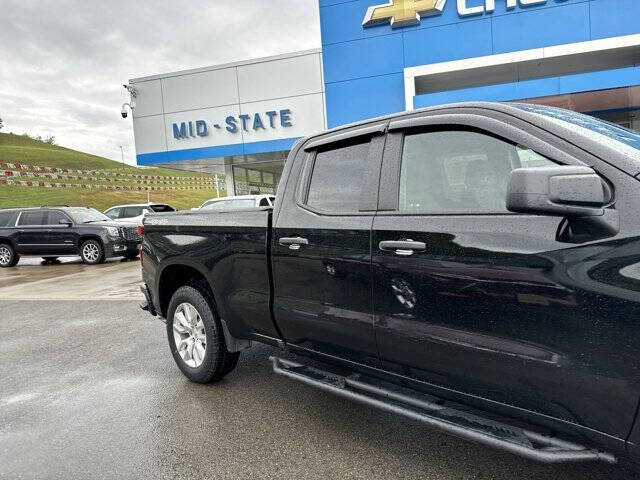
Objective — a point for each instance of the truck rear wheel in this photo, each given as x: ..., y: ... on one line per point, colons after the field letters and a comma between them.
x: 196, y: 338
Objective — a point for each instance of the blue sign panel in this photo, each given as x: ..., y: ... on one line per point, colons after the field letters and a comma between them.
x: 368, y: 44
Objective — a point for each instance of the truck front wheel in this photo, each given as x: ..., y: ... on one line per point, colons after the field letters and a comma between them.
x: 196, y: 338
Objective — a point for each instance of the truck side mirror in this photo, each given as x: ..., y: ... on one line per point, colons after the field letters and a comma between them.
x: 569, y: 191
x: 65, y: 222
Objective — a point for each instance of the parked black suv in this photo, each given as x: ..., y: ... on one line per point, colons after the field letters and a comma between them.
x: 52, y: 232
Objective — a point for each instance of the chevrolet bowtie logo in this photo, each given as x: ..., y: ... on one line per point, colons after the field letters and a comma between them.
x: 402, y: 12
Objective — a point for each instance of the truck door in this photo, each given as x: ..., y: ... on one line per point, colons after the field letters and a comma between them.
x: 322, y: 247
x: 471, y: 298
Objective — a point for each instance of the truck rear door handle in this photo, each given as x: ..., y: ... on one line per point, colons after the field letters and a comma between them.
x: 403, y: 248
x: 294, y: 243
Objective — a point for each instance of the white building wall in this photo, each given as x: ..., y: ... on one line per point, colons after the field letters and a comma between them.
x: 212, y: 94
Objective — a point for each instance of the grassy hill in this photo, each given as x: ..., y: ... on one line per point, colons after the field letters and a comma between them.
x: 24, y: 150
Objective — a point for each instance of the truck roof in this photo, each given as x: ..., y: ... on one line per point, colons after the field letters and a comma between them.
x: 604, y: 142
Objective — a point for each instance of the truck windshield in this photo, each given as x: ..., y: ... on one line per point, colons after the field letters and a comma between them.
x: 625, y: 141
x: 87, y: 215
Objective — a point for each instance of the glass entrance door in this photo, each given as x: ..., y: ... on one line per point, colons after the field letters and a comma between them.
x: 253, y: 179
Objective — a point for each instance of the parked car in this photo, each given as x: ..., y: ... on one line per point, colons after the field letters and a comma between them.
x: 475, y: 267
x: 52, y: 232
x: 136, y: 212
x: 238, y: 202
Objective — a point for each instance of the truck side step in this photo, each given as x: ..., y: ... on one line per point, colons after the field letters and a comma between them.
x: 525, y: 443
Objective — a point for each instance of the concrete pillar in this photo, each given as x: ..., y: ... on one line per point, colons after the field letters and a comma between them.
x: 228, y: 172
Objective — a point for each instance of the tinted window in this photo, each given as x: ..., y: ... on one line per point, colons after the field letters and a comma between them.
x: 459, y: 171
x: 113, y: 213
x: 55, y: 216
x: 336, y: 180
x: 35, y: 217
x: 162, y: 208
x: 264, y: 202
x: 7, y: 219
x: 129, y: 212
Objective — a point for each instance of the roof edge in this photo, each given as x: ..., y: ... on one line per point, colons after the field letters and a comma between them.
x: 223, y: 66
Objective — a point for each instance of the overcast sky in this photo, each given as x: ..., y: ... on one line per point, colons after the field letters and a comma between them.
x: 63, y: 62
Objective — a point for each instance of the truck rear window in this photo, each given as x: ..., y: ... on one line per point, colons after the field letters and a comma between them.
x: 162, y: 208
x: 336, y: 180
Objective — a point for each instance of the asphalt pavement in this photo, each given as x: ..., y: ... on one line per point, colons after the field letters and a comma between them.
x: 70, y: 279
x: 89, y: 390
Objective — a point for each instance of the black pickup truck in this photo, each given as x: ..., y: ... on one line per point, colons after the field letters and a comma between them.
x: 475, y: 267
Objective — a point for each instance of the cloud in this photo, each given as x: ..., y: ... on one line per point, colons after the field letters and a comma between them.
x: 63, y: 63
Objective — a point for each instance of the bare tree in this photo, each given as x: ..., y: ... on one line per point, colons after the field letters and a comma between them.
x: 51, y: 140
x: 1, y: 124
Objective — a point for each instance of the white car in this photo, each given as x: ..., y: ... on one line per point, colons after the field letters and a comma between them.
x: 135, y: 212
x: 238, y: 202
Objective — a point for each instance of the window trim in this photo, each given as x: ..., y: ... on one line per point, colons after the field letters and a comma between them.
x: 370, y: 184
x: 367, y: 131
x: 388, y: 201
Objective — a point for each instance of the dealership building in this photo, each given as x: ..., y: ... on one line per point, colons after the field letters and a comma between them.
x: 386, y: 56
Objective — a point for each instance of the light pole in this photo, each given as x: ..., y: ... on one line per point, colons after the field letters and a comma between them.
x: 122, y: 155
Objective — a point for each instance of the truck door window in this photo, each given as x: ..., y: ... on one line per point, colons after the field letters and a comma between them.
x: 459, y: 171
x: 336, y: 179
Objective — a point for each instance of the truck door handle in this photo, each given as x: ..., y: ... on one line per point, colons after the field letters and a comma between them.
x: 294, y: 243
x: 403, y: 248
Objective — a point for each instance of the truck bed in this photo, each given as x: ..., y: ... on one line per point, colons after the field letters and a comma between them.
x: 229, y: 249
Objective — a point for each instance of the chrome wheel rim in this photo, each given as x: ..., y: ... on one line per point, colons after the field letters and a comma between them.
x: 189, y: 335
x: 91, y: 252
x: 5, y: 256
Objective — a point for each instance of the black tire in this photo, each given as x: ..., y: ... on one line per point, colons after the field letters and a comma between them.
x: 8, y: 256
x: 218, y: 361
x: 91, y: 259
x: 131, y: 257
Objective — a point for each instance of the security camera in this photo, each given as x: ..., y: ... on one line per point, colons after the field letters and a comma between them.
x: 124, y: 112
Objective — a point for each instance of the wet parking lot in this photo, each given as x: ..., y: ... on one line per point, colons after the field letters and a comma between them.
x: 90, y: 391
